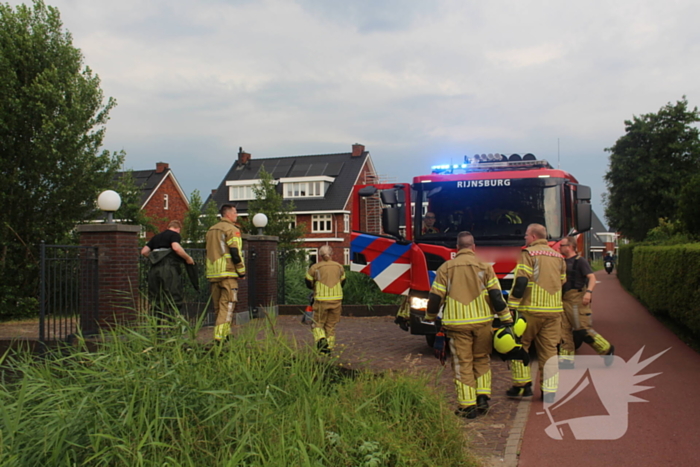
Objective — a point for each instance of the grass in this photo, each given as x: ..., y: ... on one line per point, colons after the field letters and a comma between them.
x: 260, y: 400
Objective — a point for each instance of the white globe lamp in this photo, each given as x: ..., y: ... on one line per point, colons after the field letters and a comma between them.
x: 260, y: 221
x: 109, y: 201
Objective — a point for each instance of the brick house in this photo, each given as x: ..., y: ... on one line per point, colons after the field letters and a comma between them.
x: 319, y: 185
x: 162, y: 198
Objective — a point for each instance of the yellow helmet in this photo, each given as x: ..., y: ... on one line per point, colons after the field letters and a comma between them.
x: 505, y: 340
x: 519, y: 325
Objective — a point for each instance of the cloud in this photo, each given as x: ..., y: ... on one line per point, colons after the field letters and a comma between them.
x: 417, y: 82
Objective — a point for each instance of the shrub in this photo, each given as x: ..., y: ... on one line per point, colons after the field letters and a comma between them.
x: 359, y: 289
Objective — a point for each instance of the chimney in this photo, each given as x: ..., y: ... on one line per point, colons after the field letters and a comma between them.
x: 161, y: 167
x: 213, y: 192
x: 357, y: 149
x: 243, y: 157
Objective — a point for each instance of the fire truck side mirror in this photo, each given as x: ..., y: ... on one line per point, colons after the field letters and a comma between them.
x: 583, y: 193
x: 390, y: 221
x: 367, y: 191
x: 388, y: 197
x: 583, y: 217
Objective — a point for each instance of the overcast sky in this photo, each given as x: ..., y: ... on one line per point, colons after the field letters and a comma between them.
x: 418, y: 82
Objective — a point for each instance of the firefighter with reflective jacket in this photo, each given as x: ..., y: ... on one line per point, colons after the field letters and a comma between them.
x: 577, y: 295
x: 470, y: 293
x: 536, y: 293
x: 326, y: 279
x: 224, y: 268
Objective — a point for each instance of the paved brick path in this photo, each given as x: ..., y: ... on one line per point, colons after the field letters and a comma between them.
x: 376, y: 343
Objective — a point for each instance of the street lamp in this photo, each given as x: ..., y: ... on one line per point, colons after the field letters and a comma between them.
x: 260, y: 221
x: 109, y: 201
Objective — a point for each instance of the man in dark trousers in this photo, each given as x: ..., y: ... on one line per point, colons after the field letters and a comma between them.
x: 166, y: 256
x: 577, y: 296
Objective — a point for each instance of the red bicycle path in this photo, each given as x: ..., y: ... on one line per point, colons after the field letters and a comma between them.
x: 663, y: 431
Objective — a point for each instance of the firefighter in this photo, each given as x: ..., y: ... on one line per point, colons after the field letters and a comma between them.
x: 429, y: 224
x: 166, y: 256
x: 577, y: 296
x: 326, y: 279
x: 536, y: 293
x: 224, y: 268
x: 470, y: 293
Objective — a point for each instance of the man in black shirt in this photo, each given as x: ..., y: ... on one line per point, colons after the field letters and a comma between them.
x: 164, y: 283
x: 577, y: 294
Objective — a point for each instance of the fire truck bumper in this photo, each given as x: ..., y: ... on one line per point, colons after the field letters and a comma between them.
x: 420, y: 327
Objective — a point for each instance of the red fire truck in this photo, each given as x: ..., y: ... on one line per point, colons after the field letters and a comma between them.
x: 494, y: 197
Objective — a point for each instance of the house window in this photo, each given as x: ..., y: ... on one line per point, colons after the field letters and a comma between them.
x: 304, y: 190
x: 346, y: 224
x: 321, y: 223
x: 165, y: 201
x: 240, y: 192
x: 311, y: 255
x: 346, y: 256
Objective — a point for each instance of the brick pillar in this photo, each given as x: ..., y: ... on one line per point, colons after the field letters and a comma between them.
x: 262, y: 254
x: 118, y: 274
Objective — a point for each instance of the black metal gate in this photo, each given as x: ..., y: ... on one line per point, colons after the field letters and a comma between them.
x: 68, y: 290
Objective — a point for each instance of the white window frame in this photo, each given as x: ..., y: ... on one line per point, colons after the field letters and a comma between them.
x: 241, y: 190
x: 346, y: 256
x: 346, y: 224
x: 305, y: 187
x: 166, y: 201
x: 311, y: 255
x: 321, y: 223
x: 241, y: 193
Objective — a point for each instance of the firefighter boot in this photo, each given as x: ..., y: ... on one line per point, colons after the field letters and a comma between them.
x: 468, y: 411
x: 482, y: 403
x: 548, y: 397
x: 520, y: 391
x: 609, y: 357
x: 322, y: 346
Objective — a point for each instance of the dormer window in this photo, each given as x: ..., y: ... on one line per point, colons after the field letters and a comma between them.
x: 241, y: 190
x: 305, y: 187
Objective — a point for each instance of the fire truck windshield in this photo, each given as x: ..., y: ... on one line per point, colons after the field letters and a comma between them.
x: 489, y: 209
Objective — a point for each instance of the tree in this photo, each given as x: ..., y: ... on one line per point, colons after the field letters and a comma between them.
x: 280, y: 221
x: 649, y: 165
x: 689, y: 207
x: 52, y: 123
x: 198, y: 220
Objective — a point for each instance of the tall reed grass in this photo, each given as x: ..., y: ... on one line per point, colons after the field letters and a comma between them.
x: 139, y: 399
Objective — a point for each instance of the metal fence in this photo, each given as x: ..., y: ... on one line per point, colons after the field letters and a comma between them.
x: 68, y: 290
x: 195, y: 301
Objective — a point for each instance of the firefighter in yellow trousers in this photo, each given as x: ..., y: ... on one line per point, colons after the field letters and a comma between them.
x: 326, y: 279
x: 470, y: 293
x: 536, y: 294
x: 224, y: 268
x: 577, y: 296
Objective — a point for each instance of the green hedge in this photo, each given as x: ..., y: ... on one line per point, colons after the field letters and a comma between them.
x: 624, y: 265
x: 666, y: 279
